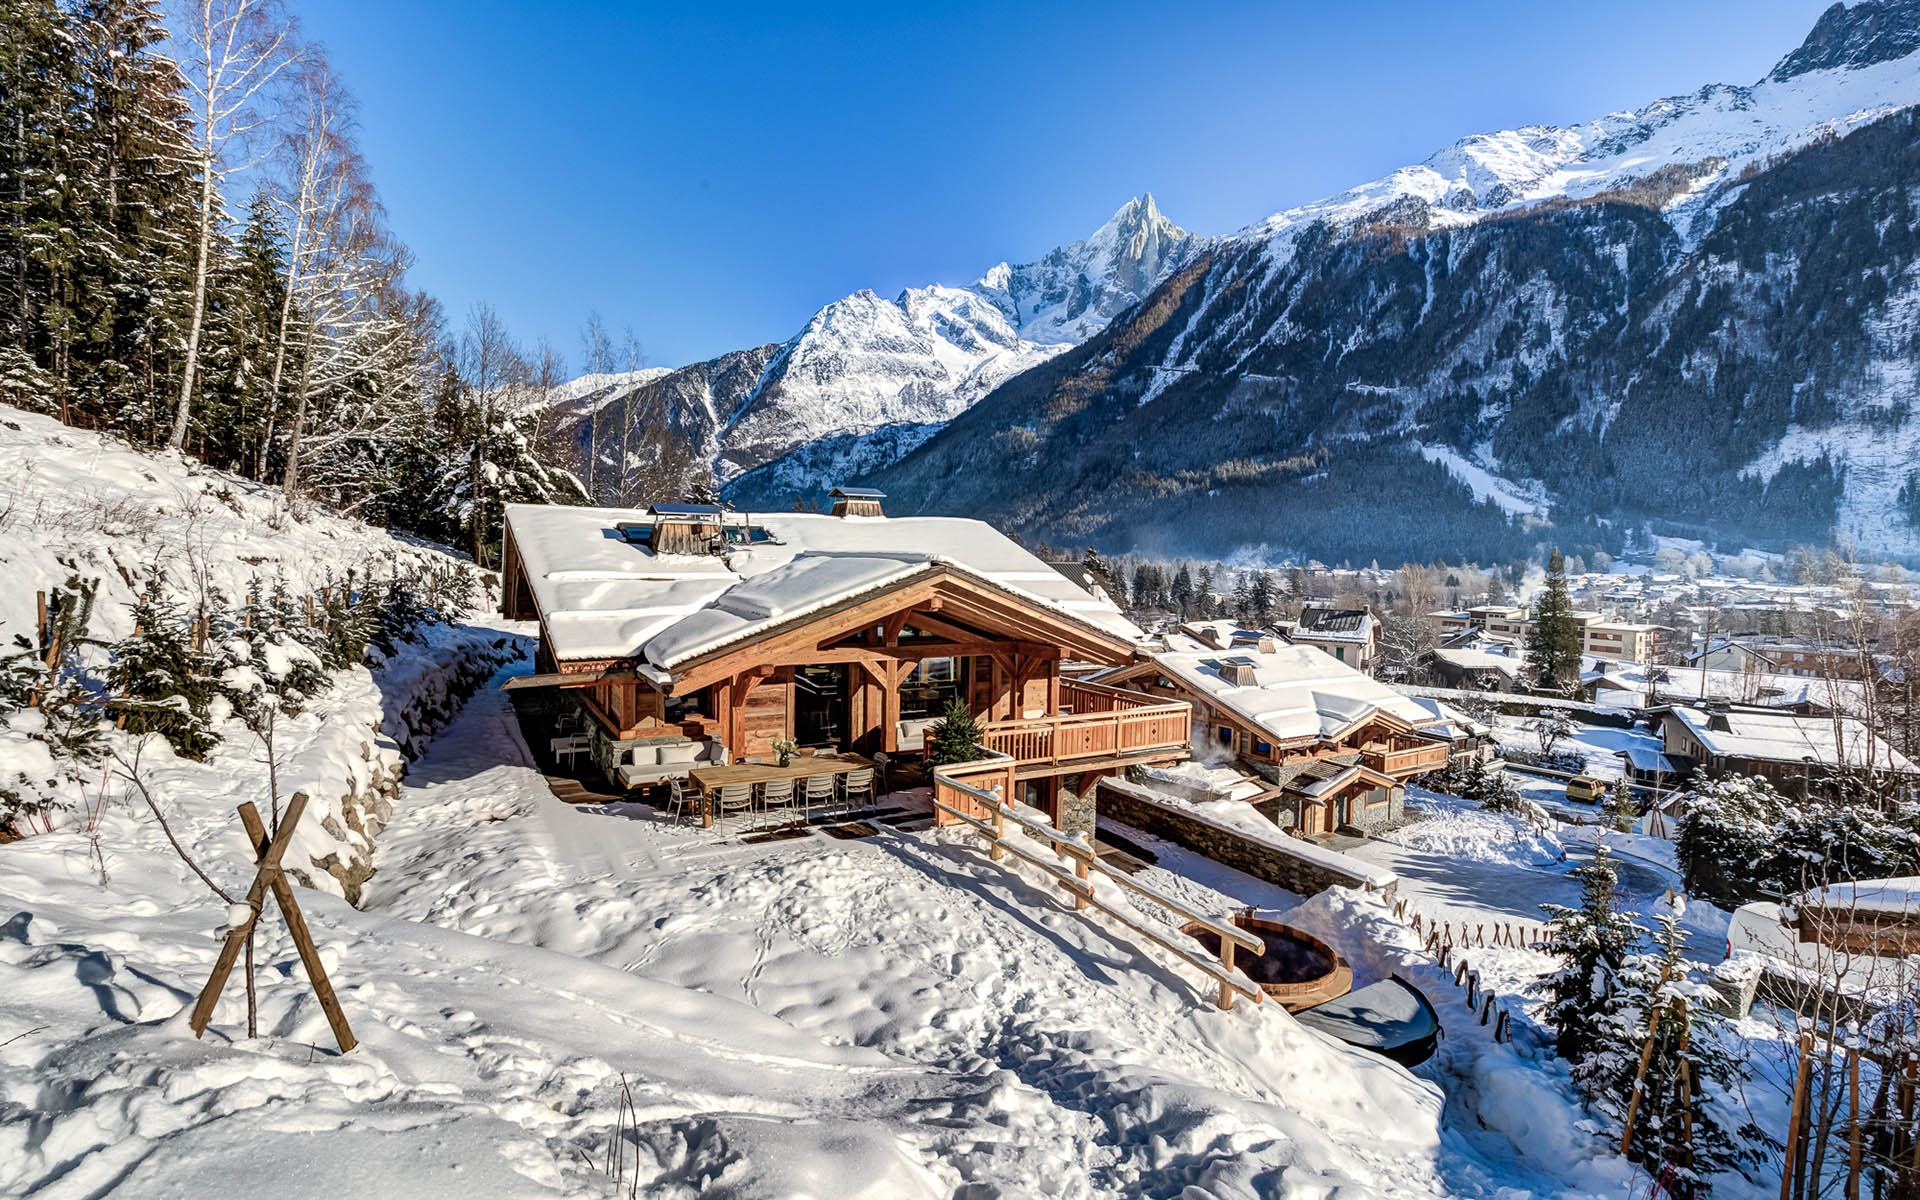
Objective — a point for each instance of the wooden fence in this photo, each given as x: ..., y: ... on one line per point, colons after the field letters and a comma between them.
x: 957, y: 799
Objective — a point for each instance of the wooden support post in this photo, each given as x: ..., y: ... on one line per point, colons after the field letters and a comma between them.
x: 1853, y: 1124
x: 1227, y: 947
x: 270, y: 877
x: 1080, y: 870
x: 999, y: 853
x: 1640, y: 1076
x: 1802, y: 1079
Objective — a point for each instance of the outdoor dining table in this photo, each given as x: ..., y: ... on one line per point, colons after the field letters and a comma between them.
x: 711, y: 779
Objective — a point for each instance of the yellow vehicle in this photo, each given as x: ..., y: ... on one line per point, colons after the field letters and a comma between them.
x: 1586, y: 789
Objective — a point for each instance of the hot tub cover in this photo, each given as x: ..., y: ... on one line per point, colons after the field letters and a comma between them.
x: 1384, y: 1017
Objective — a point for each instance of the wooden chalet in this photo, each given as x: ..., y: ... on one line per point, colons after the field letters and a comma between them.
x: 1336, y: 746
x: 691, y: 624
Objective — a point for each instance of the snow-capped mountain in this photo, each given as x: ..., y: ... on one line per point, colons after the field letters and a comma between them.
x: 869, y: 378
x: 1691, y: 313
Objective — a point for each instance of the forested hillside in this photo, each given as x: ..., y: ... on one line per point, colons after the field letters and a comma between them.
x: 193, y: 255
x: 1722, y: 346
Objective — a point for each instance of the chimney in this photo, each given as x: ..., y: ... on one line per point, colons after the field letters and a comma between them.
x: 1268, y: 645
x: 1238, y: 672
x: 857, y: 502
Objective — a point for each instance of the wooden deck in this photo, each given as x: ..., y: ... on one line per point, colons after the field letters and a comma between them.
x: 1104, y: 723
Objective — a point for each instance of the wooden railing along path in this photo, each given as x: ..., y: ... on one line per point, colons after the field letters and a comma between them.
x: 973, y: 794
x: 1106, y: 722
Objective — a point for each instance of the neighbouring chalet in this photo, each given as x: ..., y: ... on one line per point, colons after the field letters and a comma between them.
x: 688, y: 632
x: 1351, y: 635
x: 1796, y: 754
x: 1336, y: 747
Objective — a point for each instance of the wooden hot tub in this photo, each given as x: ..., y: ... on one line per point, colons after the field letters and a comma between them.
x: 1297, y: 969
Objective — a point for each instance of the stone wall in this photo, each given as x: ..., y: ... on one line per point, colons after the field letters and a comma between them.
x: 1305, y: 870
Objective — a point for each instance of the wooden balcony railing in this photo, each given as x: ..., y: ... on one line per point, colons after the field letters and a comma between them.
x: 1105, y: 722
x: 1408, y: 760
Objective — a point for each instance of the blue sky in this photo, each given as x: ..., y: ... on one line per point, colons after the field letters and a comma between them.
x: 711, y: 173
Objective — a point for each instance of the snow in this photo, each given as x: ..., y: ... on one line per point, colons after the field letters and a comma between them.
x: 1515, y: 499
x: 603, y: 597
x: 870, y: 378
x: 1298, y: 691
x: 891, y: 1018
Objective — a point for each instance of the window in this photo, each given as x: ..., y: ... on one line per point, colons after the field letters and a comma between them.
x: 928, y: 687
x: 1340, y: 652
x: 683, y: 708
x: 1260, y: 747
x: 1224, y: 734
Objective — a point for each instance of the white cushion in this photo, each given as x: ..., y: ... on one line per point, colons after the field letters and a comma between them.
x: 679, y: 755
x: 644, y: 756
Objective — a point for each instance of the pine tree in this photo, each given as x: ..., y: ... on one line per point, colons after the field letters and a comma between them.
x: 1260, y: 599
x: 1553, y: 639
x: 1181, y: 591
x: 1591, y: 942
x: 956, y: 738
x: 1664, y: 1011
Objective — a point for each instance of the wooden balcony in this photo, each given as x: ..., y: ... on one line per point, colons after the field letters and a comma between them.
x: 1407, y: 760
x: 1097, y: 725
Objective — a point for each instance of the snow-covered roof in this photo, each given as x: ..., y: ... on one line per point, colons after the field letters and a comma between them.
x: 1787, y: 738
x: 1647, y: 760
x: 1900, y: 894
x: 1298, y: 692
x: 1333, y: 625
x: 602, y: 596
x: 1465, y: 659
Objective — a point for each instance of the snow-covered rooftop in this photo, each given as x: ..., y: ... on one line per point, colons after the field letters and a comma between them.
x: 1784, y: 737
x: 602, y: 596
x: 1298, y: 691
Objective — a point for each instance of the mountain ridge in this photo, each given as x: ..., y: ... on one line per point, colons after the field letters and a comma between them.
x: 1467, y: 322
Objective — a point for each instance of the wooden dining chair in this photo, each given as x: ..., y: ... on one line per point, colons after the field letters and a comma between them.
x: 734, y: 799
x: 777, y: 794
x: 857, y: 783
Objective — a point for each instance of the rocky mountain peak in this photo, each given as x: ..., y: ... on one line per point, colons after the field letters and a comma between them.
x: 1874, y: 31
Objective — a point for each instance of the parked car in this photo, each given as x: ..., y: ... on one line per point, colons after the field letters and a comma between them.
x: 1586, y: 789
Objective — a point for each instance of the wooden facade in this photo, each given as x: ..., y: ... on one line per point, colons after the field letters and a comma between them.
x: 1385, y: 743
x: 867, y: 674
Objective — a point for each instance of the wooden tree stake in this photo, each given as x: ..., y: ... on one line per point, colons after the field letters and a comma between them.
x: 270, y: 877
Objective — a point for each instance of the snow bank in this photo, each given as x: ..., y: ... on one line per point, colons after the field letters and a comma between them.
x: 86, y: 504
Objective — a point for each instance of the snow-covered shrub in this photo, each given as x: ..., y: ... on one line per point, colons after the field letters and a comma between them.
x: 53, y: 714
x: 165, y: 679
x: 1741, y: 840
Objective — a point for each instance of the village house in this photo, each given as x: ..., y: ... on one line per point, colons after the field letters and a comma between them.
x: 1351, y: 635
x: 1334, y: 746
x: 1797, y: 754
x: 1600, y: 635
x: 1780, y: 656
x: 682, y: 636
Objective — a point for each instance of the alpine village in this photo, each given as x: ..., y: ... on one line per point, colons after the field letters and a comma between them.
x: 1411, y: 696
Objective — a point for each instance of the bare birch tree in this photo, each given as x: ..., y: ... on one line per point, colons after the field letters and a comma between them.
x: 495, y: 373
x: 235, y: 50
x: 596, y: 350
